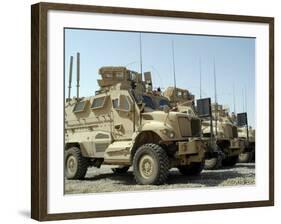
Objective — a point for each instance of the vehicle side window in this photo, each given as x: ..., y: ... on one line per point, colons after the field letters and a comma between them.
x: 98, y: 102
x: 79, y: 106
x: 124, y: 103
x: 121, y: 104
x: 119, y: 75
x: 179, y: 93
x: 108, y: 76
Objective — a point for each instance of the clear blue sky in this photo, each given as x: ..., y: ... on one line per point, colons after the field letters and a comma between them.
x: 234, y: 58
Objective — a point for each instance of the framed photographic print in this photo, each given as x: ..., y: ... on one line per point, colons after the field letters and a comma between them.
x: 141, y: 111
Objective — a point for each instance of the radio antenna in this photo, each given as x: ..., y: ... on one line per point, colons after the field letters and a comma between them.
x: 70, y: 77
x: 216, y: 100
x: 78, y: 75
x: 234, y: 103
x: 246, y: 103
x: 243, y: 100
x: 174, y: 69
x: 200, y: 77
x: 140, y: 40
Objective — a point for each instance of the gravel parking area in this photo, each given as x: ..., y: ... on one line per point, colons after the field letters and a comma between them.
x: 103, y: 180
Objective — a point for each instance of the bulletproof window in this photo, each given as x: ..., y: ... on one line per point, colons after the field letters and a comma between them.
x: 119, y: 75
x: 98, y: 102
x: 179, y: 93
x: 124, y: 103
x: 148, y: 102
x: 79, y: 106
x: 108, y: 75
x: 163, y: 103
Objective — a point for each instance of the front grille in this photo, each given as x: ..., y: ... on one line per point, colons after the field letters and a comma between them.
x: 227, y: 131
x: 234, y: 132
x: 195, y: 127
x: 184, y: 126
x: 189, y: 127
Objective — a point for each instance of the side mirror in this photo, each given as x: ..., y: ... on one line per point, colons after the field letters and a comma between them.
x: 242, y: 119
x: 204, y: 107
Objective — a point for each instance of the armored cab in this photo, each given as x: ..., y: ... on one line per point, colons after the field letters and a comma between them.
x: 225, y: 133
x: 247, y: 134
x: 123, y: 125
x: 183, y: 101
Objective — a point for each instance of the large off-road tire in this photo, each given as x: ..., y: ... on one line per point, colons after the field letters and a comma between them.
x: 213, y: 163
x: 151, y: 165
x: 192, y: 169
x: 230, y: 161
x: 75, y: 164
x: 245, y: 157
x: 120, y: 170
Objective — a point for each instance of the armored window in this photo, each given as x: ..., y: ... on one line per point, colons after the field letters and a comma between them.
x: 179, y: 93
x: 119, y: 75
x: 185, y: 95
x: 98, y: 102
x: 108, y: 76
x: 163, y: 103
x: 79, y: 106
x: 124, y: 103
x: 148, y: 102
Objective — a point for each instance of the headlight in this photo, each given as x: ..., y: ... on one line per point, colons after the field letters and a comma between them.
x: 172, y: 134
x: 168, y: 133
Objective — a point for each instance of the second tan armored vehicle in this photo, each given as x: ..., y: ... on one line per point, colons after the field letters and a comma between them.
x: 246, y: 134
x: 225, y: 133
x: 183, y: 101
x: 248, y: 155
x: 120, y: 125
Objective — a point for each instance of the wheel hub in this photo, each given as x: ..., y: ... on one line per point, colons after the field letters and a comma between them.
x: 71, y: 164
x: 146, y: 166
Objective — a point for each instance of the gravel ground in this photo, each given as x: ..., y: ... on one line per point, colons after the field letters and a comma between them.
x: 103, y: 180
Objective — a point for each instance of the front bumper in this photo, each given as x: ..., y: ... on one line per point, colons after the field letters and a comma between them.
x: 190, y: 148
x: 236, y: 147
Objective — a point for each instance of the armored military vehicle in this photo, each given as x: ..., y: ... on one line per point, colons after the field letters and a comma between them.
x: 120, y: 125
x: 248, y: 154
x: 247, y: 134
x: 225, y: 133
x: 183, y: 101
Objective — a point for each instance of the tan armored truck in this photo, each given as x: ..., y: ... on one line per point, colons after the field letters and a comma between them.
x: 183, y: 101
x: 120, y: 125
x: 247, y: 134
x: 225, y: 134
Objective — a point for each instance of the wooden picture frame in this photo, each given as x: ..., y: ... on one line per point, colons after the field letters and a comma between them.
x: 39, y: 110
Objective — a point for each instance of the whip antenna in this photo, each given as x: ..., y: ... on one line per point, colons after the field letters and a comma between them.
x: 70, y: 77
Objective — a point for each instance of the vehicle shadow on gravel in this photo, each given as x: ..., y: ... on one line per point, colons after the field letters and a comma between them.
x: 124, y: 178
x: 207, y: 178
x: 240, y: 165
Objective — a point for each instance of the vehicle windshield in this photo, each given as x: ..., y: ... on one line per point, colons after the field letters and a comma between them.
x: 148, y: 102
x: 163, y: 102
